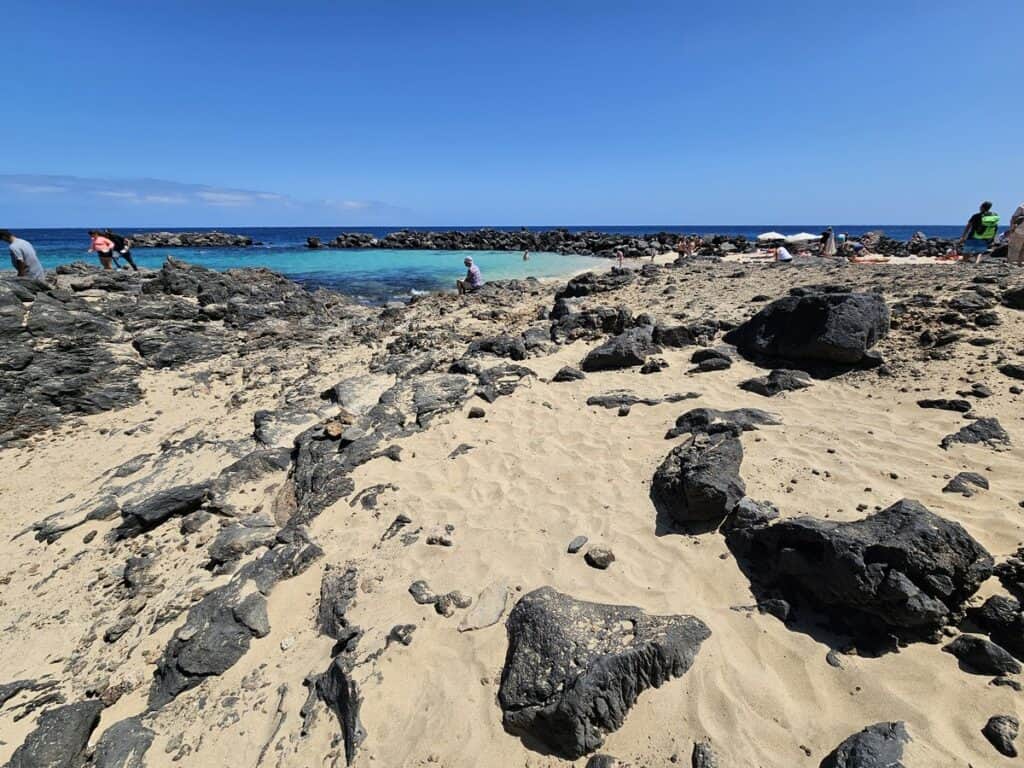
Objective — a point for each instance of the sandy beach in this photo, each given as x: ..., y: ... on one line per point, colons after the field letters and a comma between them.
x: 487, y: 504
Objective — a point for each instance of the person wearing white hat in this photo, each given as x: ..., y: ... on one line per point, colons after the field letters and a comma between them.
x: 473, y: 281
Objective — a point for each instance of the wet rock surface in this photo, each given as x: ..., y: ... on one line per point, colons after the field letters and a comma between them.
x: 574, y: 669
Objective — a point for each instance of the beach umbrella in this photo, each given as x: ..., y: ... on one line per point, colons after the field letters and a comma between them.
x: 802, y: 237
x: 765, y: 236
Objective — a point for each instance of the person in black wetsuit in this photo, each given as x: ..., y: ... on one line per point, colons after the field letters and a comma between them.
x: 121, y: 248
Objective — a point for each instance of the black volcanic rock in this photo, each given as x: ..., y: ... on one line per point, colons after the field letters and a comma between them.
x: 777, y: 381
x: 60, y: 738
x: 1001, y: 731
x: 712, y: 421
x: 626, y: 350
x: 831, y: 328
x: 903, y: 570
x: 982, y: 656
x: 877, y: 746
x: 574, y: 669
x: 987, y: 431
x: 699, y: 481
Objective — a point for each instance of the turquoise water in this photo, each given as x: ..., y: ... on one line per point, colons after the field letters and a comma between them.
x: 382, y: 275
x: 370, y: 275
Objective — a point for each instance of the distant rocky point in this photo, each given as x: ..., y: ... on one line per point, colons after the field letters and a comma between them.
x: 190, y: 240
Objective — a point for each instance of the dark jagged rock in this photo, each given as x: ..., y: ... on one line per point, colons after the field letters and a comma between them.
x: 435, y: 396
x: 337, y: 591
x: 60, y: 738
x: 234, y: 541
x: 599, y: 557
x: 590, y: 283
x: 1001, y: 731
x: 568, y: 373
x: 574, y: 669
x: 903, y: 570
x: 570, y: 324
x: 831, y: 328
x: 982, y: 656
x: 340, y: 692
x: 626, y: 350
x: 699, y: 481
x: 654, y: 365
x: 945, y: 404
x: 684, y: 335
x: 123, y: 745
x: 603, y: 761
x: 987, y: 431
x: 1014, y: 297
x: 711, y: 421
x: 1013, y: 370
x: 189, y: 240
x: 501, y: 380
x: 1002, y: 619
x: 162, y: 506
x: 877, y: 746
x: 777, y: 381
x: 703, y: 756
x: 501, y: 346
x: 965, y: 483
x: 218, y: 629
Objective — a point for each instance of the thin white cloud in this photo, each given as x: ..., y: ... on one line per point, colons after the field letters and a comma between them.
x: 141, y: 192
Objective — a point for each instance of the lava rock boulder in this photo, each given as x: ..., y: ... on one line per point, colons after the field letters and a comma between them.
x: 574, y: 669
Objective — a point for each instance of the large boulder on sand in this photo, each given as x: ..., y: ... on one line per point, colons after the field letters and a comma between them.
x: 826, y: 327
x: 903, y: 570
x: 574, y: 669
x: 627, y: 349
x: 699, y: 481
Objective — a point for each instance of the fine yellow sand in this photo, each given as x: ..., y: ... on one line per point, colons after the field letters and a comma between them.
x: 543, y: 468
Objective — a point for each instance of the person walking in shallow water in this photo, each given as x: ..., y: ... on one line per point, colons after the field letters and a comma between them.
x: 23, y: 256
x: 980, y: 232
x: 473, y: 280
x: 103, y: 247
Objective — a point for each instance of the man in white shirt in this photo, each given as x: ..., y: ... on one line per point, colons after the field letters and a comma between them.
x: 781, y: 254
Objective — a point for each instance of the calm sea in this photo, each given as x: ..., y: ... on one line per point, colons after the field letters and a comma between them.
x: 381, y: 275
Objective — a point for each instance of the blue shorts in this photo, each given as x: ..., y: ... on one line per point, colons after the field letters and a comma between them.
x: 975, y: 246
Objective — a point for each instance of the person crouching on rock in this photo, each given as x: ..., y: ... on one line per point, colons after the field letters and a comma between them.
x: 103, y: 247
x: 473, y: 281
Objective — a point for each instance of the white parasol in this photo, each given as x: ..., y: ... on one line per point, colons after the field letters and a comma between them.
x: 767, y: 236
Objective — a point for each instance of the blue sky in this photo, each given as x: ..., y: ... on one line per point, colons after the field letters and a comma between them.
x: 384, y: 113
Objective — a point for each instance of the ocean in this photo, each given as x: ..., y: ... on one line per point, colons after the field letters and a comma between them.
x: 377, y: 276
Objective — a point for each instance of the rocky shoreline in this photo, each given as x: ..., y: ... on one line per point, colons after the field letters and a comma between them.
x: 326, y: 533
x: 190, y: 240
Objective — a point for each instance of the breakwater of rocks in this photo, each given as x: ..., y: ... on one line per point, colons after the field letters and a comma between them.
x: 190, y: 240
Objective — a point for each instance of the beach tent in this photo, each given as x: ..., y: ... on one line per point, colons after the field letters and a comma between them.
x: 768, y: 236
x: 802, y: 237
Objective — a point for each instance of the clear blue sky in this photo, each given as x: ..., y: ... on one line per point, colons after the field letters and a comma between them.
x: 325, y: 112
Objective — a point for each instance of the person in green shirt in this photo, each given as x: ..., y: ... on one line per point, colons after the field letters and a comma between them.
x: 980, y: 231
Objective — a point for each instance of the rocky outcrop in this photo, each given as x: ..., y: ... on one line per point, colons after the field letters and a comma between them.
x: 189, y: 240
x: 904, y: 570
x: 711, y: 421
x: 574, y: 669
x: 831, y: 328
x: 699, y: 481
x: 776, y: 382
x: 60, y: 738
x: 626, y: 350
x: 123, y: 745
x: 220, y: 627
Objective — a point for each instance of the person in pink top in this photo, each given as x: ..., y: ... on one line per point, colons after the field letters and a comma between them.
x: 103, y: 247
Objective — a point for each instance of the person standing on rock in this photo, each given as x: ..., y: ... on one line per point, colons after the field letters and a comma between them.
x: 121, y: 247
x: 103, y: 247
x: 980, y: 232
x: 23, y: 256
x: 1015, y: 238
x: 473, y: 280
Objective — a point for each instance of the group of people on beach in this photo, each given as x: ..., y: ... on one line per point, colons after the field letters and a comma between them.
x: 108, y: 246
